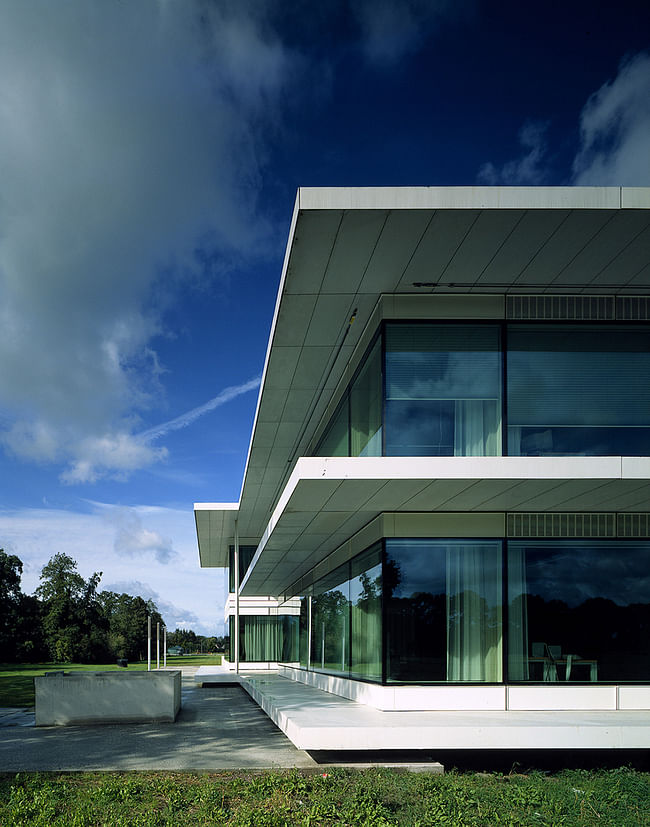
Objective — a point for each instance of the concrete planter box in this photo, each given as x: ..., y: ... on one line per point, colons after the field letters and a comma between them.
x: 107, y: 697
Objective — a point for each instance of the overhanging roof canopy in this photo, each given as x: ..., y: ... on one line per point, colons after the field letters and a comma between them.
x: 215, y: 528
x: 328, y: 499
x: 348, y: 246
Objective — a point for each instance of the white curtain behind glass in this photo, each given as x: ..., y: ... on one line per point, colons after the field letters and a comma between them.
x: 474, y: 618
x: 477, y: 428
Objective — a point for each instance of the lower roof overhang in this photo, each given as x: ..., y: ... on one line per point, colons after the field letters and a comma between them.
x: 215, y: 530
x: 327, y: 500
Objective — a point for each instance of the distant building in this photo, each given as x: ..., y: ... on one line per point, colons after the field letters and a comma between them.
x: 175, y: 650
x: 446, y: 501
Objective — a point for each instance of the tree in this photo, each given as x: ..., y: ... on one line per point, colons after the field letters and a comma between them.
x: 127, y: 624
x: 20, y: 616
x: 74, y: 626
x: 11, y: 568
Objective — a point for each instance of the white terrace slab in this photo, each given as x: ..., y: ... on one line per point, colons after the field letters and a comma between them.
x: 316, y: 720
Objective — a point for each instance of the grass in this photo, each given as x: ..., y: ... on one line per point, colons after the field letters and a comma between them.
x: 17, y: 679
x: 336, y: 797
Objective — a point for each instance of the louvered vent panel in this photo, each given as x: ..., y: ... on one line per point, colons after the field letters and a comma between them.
x: 560, y: 308
x: 634, y: 525
x: 561, y: 525
x: 633, y: 308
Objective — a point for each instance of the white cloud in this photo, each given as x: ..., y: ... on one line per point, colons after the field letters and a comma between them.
x: 529, y: 168
x: 615, y: 130
x: 132, y: 132
x: 118, y: 454
x: 134, y: 540
x: 390, y: 29
x: 614, y: 136
x: 174, y: 617
x: 118, y: 541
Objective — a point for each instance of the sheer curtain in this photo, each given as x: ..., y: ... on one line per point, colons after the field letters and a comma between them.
x: 260, y: 638
x: 474, y: 617
x: 476, y: 428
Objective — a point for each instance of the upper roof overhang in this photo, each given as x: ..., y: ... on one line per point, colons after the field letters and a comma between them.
x: 348, y: 246
x: 215, y: 528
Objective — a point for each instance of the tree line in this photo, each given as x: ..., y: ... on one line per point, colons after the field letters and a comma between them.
x: 69, y: 620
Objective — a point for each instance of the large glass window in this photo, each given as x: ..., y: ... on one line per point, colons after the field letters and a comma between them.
x: 330, y: 623
x: 443, y: 390
x: 304, y: 643
x: 246, y: 554
x: 335, y: 442
x: 578, y: 390
x: 578, y: 610
x: 422, y: 610
x: 443, y: 610
x: 265, y: 638
x: 365, y: 407
x: 572, y: 389
x: 365, y: 614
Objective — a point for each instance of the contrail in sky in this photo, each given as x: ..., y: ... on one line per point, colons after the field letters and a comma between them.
x: 188, y: 417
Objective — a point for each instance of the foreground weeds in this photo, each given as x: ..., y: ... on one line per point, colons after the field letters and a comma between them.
x: 336, y: 796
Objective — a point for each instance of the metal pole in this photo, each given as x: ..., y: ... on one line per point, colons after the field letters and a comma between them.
x: 148, y: 643
x: 165, y: 646
x: 309, y: 636
x: 158, y: 645
x: 236, y: 596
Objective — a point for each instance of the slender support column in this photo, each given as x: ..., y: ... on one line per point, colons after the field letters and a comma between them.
x: 165, y: 646
x: 309, y: 635
x: 158, y: 645
x: 148, y: 643
x: 236, y: 597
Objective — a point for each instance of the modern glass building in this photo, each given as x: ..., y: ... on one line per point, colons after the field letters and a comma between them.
x: 448, y: 484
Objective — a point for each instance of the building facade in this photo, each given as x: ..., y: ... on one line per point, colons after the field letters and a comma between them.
x: 447, y: 492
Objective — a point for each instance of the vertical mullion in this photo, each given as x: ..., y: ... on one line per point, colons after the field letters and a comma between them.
x: 384, y: 630
x: 382, y: 333
x: 504, y: 611
x: 504, y: 388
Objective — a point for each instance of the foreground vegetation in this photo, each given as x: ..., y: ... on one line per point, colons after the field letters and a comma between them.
x: 332, y: 797
x: 17, y: 680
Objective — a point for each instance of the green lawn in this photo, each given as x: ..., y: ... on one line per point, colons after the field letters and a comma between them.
x: 17, y: 679
x: 576, y: 798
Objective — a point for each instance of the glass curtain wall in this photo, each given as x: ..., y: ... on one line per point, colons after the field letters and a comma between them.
x: 265, y: 638
x: 578, y: 390
x: 365, y: 407
x: 330, y: 627
x: 443, y: 610
x: 572, y: 390
x: 340, y: 619
x: 246, y: 554
x: 365, y: 614
x: 443, y: 390
x: 432, y: 611
x: 578, y: 610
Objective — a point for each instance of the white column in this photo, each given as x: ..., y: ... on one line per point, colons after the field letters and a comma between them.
x: 148, y: 643
x: 158, y: 645
x: 165, y: 646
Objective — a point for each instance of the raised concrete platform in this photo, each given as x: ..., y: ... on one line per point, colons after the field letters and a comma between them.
x: 68, y: 698
x: 316, y: 720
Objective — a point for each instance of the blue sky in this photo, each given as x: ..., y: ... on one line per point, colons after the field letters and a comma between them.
x: 149, y: 158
